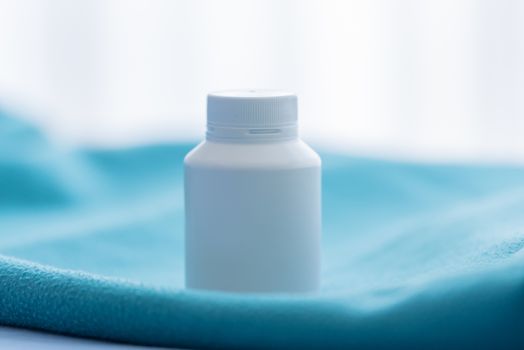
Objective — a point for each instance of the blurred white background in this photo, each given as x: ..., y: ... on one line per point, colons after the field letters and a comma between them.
x: 439, y: 80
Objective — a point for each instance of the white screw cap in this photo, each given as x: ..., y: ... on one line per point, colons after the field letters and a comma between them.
x: 251, y: 115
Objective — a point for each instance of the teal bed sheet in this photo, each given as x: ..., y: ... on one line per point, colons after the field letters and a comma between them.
x: 414, y: 255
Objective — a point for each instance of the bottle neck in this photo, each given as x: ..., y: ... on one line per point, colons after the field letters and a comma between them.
x: 237, y: 134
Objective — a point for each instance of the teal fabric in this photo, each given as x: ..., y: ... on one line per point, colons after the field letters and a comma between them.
x: 415, y: 255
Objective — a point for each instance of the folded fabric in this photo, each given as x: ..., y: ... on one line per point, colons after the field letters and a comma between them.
x: 415, y: 255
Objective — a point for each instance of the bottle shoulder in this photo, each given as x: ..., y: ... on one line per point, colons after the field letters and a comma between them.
x: 281, y: 155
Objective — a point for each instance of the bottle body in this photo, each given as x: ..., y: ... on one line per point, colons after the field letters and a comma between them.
x: 253, y: 217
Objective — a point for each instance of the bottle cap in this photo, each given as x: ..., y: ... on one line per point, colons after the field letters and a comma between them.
x: 251, y: 116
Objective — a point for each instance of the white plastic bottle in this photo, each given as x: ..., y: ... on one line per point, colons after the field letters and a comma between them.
x: 252, y: 198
